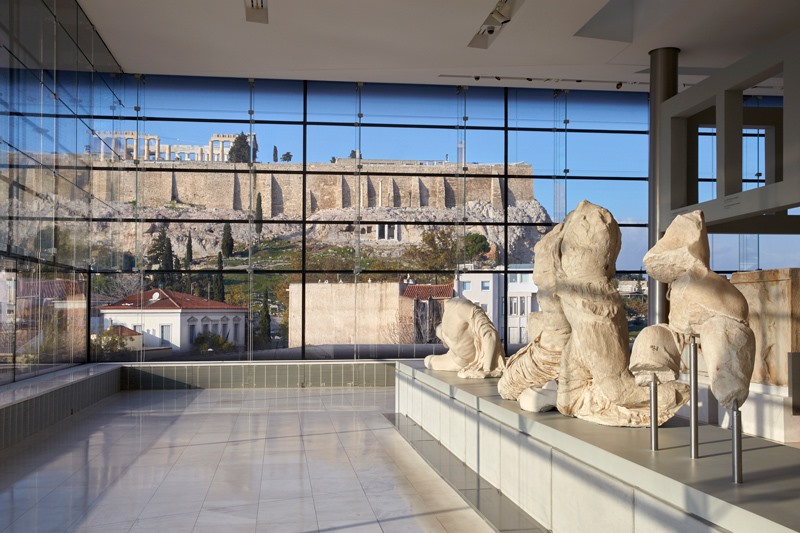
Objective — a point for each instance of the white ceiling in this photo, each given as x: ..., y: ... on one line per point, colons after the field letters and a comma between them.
x: 425, y: 41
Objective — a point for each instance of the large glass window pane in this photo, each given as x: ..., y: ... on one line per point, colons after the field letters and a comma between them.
x: 625, y: 199
x: 606, y: 154
x: 278, y: 100
x: 608, y: 110
x: 189, y: 97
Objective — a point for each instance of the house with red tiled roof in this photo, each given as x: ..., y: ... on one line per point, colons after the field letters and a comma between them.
x: 172, y: 319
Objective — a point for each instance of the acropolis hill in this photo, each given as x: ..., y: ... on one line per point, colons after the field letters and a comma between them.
x: 198, y: 179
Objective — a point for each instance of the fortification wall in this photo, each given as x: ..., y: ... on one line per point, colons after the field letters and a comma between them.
x: 227, y: 185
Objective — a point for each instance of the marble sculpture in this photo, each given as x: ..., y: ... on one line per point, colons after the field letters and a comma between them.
x: 702, y: 303
x: 474, y: 349
x: 580, y: 336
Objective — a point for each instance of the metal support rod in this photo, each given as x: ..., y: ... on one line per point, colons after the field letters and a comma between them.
x: 654, y: 413
x: 695, y: 444
x: 736, y: 426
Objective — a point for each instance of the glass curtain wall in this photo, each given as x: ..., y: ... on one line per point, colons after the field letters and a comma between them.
x: 157, y: 218
x: 58, y: 85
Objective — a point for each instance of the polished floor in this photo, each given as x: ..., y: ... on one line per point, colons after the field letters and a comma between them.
x: 228, y: 460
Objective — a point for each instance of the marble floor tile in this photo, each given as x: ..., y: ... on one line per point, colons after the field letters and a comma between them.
x: 232, y: 460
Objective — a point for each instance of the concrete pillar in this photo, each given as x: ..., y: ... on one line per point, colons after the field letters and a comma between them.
x: 663, y: 85
x: 158, y: 148
x: 211, y: 150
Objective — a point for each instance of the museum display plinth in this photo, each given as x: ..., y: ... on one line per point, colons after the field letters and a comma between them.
x: 572, y: 475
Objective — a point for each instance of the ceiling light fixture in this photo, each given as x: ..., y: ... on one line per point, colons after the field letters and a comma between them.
x: 256, y: 11
x: 496, y: 21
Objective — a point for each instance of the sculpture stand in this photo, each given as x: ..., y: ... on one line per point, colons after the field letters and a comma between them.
x: 694, y: 442
x: 736, y: 419
x: 654, y: 413
x: 736, y: 426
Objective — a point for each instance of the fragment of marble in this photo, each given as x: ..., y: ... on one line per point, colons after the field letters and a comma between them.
x: 539, y: 400
x: 701, y: 303
x: 590, y: 324
x: 537, y: 363
x: 474, y: 348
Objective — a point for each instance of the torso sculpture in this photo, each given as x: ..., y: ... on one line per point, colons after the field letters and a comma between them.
x: 474, y: 349
x: 581, y: 335
x: 702, y: 303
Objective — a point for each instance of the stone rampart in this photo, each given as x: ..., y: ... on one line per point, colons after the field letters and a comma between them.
x: 330, y: 185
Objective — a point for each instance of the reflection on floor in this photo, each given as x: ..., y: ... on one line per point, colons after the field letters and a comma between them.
x: 501, y: 512
x: 322, y: 459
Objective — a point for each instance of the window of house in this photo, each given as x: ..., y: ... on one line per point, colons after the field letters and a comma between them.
x: 225, y: 331
x: 166, y: 334
x: 485, y: 285
x: 522, y: 311
x: 236, y: 333
x: 513, y: 310
x: 485, y: 308
x: 466, y: 285
x: 192, y: 333
x: 512, y: 278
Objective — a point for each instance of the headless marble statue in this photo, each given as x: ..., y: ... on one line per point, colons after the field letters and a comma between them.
x: 701, y: 303
x: 580, y: 336
x: 474, y: 349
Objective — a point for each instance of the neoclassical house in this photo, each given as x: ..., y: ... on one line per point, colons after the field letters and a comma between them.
x: 174, y: 319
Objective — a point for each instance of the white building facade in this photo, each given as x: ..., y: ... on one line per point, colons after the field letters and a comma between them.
x: 171, y: 319
x: 487, y: 290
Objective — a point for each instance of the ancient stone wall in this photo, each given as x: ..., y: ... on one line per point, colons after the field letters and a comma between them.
x: 225, y: 185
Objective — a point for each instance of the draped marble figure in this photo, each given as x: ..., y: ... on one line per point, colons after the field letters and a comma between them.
x: 474, y: 349
x: 580, y: 336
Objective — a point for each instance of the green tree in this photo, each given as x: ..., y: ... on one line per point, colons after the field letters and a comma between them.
x: 240, y: 150
x: 259, y: 216
x: 187, y: 259
x: 160, y: 253
x: 437, y: 250
x: 274, y: 154
x: 475, y: 246
x: 155, y: 252
x: 264, y: 322
x: 227, y: 240
x: 211, y: 342
x: 108, y: 346
x: 218, y: 282
x: 286, y: 157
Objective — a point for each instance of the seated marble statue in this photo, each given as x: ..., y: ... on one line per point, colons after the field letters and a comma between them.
x: 474, y: 349
x: 580, y: 336
x: 702, y: 303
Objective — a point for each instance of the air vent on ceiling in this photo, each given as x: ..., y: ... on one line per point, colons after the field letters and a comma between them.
x: 256, y: 11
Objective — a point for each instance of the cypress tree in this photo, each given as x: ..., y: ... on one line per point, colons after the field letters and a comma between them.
x: 217, y: 282
x: 227, y: 240
x: 264, y: 321
x: 187, y: 261
x: 259, y: 216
